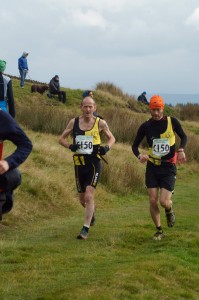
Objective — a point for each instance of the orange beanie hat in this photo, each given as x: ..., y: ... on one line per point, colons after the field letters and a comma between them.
x: 156, y: 101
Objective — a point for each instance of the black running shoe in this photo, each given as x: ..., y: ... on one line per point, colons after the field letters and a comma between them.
x: 83, y: 234
x: 159, y: 235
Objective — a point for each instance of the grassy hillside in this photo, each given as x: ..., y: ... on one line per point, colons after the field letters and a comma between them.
x: 40, y: 255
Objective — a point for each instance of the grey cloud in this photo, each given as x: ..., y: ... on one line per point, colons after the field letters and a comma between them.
x: 126, y: 41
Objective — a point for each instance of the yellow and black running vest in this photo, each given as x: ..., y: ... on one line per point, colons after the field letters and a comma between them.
x: 89, y: 141
x: 161, y: 146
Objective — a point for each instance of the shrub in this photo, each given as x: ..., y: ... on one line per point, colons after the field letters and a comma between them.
x: 189, y: 111
x: 124, y: 174
x: 123, y: 123
x: 109, y: 88
x: 44, y: 119
x: 192, y: 148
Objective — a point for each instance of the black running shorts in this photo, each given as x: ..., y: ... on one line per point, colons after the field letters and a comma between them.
x: 87, y: 175
x: 163, y: 176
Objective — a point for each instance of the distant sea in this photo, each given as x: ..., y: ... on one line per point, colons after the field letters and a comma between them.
x: 174, y: 99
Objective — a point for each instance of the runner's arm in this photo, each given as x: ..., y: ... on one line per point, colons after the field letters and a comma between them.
x: 63, y: 138
x: 138, y: 139
x: 103, y: 127
x: 180, y: 132
x: 181, y: 157
x: 18, y: 137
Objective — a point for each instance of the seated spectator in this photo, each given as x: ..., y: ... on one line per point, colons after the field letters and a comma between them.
x: 142, y: 98
x: 54, y: 89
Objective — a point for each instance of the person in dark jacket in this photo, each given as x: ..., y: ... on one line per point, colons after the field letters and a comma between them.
x: 23, y: 68
x: 54, y: 89
x: 6, y: 91
x: 142, y: 98
x: 10, y: 176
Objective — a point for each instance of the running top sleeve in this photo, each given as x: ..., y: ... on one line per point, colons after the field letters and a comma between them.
x: 180, y: 132
x: 10, y: 130
x: 138, y: 139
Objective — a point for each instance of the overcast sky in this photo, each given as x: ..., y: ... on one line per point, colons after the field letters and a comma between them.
x: 138, y: 45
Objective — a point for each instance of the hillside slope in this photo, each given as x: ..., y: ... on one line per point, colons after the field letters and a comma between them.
x: 40, y: 255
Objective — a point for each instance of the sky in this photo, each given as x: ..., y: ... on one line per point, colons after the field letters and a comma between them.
x: 138, y: 45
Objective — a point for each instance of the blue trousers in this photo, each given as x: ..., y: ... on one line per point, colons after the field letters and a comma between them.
x: 23, y: 74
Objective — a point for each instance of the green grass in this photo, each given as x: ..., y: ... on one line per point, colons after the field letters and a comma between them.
x: 40, y: 255
x: 193, y: 127
x: 42, y: 259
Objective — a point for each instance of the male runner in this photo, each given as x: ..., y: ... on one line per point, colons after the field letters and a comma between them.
x: 86, y: 130
x: 161, y: 161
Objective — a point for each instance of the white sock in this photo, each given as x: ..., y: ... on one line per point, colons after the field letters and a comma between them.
x: 85, y: 225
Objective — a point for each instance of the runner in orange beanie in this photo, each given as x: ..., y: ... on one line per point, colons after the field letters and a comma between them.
x: 160, y: 132
x: 156, y: 101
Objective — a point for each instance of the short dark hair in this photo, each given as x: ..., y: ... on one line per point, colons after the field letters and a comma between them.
x: 86, y: 93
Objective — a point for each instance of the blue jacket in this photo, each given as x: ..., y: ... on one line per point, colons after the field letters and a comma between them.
x: 6, y: 93
x: 22, y: 63
x: 10, y: 130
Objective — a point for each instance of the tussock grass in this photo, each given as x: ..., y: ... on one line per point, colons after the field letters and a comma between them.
x: 44, y: 118
x: 110, y: 88
x: 45, y: 175
x: 124, y: 123
x: 189, y: 111
x: 192, y: 148
x: 104, y: 99
x: 122, y: 174
x: 114, y: 96
x: 192, y: 126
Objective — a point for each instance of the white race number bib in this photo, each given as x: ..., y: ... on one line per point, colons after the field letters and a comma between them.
x: 86, y: 144
x: 160, y: 147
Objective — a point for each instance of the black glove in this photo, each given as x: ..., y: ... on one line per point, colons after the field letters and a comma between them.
x: 74, y: 147
x: 104, y: 150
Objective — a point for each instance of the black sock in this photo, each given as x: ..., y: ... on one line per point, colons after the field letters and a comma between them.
x: 168, y: 210
x: 159, y: 228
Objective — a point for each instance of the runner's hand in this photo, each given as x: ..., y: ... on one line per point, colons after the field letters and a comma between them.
x: 74, y: 147
x: 181, y: 158
x: 4, y: 166
x: 143, y: 158
x: 104, y: 150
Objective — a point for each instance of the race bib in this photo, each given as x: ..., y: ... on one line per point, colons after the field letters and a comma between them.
x: 160, y: 147
x: 86, y: 144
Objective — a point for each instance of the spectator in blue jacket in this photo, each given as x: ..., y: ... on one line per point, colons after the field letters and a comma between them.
x: 23, y: 68
x: 6, y: 91
x: 10, y: 176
